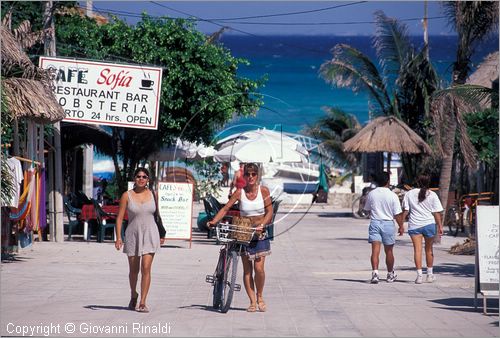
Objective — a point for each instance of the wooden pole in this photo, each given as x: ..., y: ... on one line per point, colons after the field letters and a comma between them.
x: 50, y: 50
x: 426, y: 36
x: 88, y: 151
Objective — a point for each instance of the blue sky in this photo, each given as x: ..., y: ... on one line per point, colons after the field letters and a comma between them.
x: 321, y: 17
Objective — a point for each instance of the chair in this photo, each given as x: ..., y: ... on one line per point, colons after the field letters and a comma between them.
x: 102, y: 223
x: 211, y: 209
x: 270, y: 229
x: 72, y: 214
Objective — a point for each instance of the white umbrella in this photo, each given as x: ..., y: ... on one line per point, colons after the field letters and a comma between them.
x: 182, y: 150
x: 270, y: 135
x: 261, y: 150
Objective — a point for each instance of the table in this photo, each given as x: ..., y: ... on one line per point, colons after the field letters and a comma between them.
x: 88, y: 213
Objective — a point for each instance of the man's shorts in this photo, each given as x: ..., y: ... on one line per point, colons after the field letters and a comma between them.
x: 427, y: 231
x: 382, y: 231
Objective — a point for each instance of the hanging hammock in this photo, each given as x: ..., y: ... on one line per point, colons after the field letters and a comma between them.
x: 24, y: 206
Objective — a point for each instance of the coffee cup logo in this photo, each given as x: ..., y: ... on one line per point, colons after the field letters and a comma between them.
x: 147, y: 84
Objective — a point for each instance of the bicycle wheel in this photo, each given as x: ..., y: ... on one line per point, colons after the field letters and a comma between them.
x: 229, y: 281
x: 357, y: 208
x: 219, y: 280
x: 451, y: 220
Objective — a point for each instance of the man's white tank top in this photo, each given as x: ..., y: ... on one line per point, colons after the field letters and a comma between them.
x: 252, y: 207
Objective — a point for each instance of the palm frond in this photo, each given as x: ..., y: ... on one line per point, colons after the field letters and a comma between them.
x: 452, y: 103
x: 473, y: 19
x: 26, y: 37
x: 467, y: 149
x: 214, y: 37
x: 7, y: 19
x: 7, y: 183
x: 351, y: 68
x: 392, y: 44
x: 468, y: 96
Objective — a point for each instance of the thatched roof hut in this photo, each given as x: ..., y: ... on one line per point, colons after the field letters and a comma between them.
x: 13, y: 55
x: 32, y: 99
x: 487, y: 72
x: 30, y: 95
x: 486, y: 75
x: 387, y: 134
x: 11, y: 50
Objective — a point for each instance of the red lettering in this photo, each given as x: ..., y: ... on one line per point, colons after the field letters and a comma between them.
x: 103, y: 74
x: 120, y: 79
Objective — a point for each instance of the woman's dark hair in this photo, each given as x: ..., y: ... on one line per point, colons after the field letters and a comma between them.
x: 141, y: 169
x: 251, y: 167
x: 423, y: 183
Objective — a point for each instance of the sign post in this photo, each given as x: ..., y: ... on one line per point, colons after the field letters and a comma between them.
x: 110, y: 94
x: 487, y: 253
x: 175, y: 204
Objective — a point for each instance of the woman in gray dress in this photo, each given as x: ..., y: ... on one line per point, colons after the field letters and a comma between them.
x: 142, y: 239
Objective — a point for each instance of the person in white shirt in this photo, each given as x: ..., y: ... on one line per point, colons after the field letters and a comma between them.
x: 424, y: 209
x: 384, y: 207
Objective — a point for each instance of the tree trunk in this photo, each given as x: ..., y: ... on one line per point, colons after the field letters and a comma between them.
x: 447, y: 164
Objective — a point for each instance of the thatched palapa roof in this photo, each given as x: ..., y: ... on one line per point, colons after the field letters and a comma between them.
x: 487, y: 72
x: 30, y: 95
x: 387, y: 134
x: 32, y: 99
x: 13, y: 55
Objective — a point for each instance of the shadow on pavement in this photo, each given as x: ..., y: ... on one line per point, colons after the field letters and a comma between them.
x: 13, y: 258
x: 336, y: 214
x: 209, y: 308
x: 106, y: 307
x: 367, y: 280
x: 467, y: 304
x: 464, y: 270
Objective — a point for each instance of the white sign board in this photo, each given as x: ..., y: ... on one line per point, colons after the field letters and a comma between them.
x: 105, y: 93
x: 488, y: 247
x: 175, y: 203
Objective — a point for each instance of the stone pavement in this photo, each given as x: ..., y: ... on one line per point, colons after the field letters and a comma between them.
x: 316, y: 285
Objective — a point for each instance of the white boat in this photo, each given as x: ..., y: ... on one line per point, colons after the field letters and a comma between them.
x: 291, y: 178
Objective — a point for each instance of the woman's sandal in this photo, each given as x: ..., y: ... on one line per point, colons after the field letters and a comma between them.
x: 142, y: 308
x: 262, y: 305
x: 252, y: 308
x: 133, y: 302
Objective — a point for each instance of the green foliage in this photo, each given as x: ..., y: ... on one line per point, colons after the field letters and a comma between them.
x: 6, y: 181
x: 6, y: 120
x: 200, y: 91
x: 208, y: 182
x: 483, y: 132
x: 333, y: 129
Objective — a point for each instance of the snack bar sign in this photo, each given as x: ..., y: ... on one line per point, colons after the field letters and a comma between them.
x: 105, y: 93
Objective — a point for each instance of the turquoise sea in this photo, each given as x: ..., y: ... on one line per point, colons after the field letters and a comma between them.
x: 294, y: 92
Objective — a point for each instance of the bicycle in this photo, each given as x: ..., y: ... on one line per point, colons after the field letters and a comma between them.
x: 461, y: 216
x: 223, y: 279
x: 358, y: 205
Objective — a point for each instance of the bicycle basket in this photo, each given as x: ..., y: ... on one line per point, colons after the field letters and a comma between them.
x: 241, y: 231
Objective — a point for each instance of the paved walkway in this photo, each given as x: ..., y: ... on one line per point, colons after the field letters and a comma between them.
x: 316, y: 285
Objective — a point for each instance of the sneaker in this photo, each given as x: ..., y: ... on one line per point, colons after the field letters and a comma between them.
x: 391, y: 277
x: 430, y: 278
x: 419, y: 280
x: 374, y: 279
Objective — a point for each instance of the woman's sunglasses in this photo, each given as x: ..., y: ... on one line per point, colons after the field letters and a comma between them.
x: 251, y: 174
x: 142, y: 176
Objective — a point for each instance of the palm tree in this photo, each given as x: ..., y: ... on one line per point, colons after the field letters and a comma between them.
x: 403, y: 85
x: 333, y: 130
x: 473, y: 21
